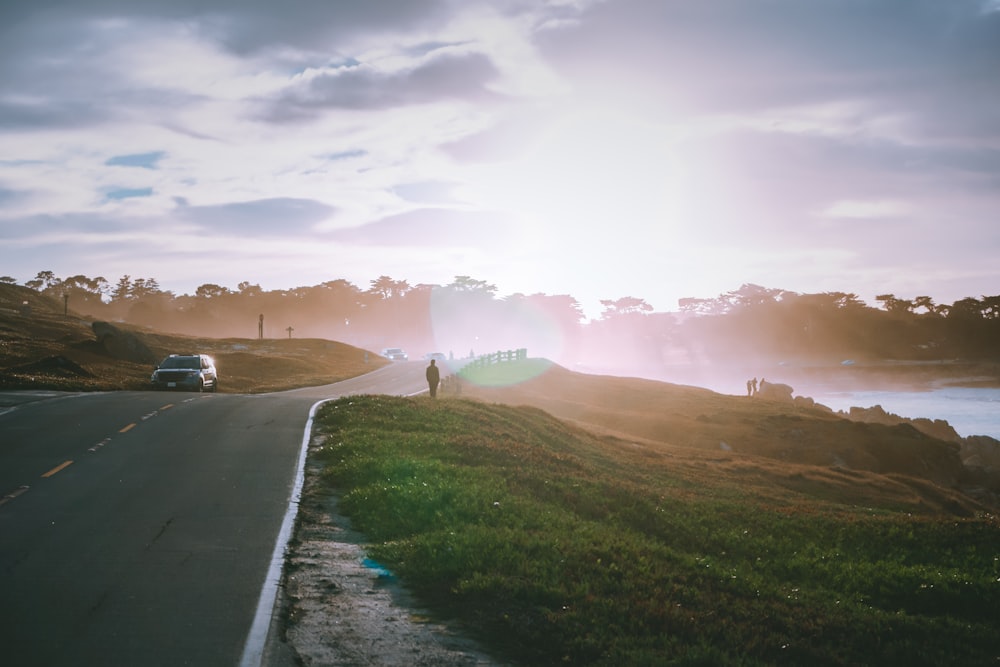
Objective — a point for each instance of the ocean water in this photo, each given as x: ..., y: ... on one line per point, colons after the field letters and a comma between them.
x: 970, y: 411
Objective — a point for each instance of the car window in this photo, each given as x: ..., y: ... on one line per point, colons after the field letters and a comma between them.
x: 180, y: 362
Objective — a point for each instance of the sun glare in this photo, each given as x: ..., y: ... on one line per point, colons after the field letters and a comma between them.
x: 589, y: 171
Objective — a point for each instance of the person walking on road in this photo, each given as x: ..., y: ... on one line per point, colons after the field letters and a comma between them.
x: 433, y: 378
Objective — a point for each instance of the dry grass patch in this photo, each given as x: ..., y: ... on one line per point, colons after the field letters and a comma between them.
x: 41, y: 348
x: 674, y: 418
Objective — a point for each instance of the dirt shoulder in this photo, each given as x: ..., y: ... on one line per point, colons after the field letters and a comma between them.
x: 339, y: 608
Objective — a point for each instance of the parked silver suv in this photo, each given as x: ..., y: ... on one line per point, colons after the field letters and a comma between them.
x: 195, y: 372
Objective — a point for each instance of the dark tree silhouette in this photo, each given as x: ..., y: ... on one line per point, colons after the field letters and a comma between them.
x: 751, y: 322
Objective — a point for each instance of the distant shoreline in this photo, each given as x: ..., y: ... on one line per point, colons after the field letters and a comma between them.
x: 824, y: 377
x: 822, y: 382
x: 904, y: 375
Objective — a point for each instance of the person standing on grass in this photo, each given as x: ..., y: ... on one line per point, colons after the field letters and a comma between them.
x: 433, y: 377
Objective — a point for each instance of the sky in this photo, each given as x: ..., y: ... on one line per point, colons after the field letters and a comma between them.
x: 657, y: 149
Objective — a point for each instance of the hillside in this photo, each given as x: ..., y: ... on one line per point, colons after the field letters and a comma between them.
x: 666, y: 417
x: 43, y: 348
x: 551, y: 545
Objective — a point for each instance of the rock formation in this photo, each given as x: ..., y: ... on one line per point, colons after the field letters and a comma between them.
x: 122, y: 344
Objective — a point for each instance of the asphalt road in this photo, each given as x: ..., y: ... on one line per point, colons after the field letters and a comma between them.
x: 139, y: 528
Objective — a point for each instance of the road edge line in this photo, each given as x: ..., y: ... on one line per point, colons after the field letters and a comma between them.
x: 253, y: 649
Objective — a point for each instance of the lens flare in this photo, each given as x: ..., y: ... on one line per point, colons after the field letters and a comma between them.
x: 467, y: 324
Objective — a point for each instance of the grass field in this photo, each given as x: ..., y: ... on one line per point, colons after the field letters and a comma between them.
x: 554, y: 545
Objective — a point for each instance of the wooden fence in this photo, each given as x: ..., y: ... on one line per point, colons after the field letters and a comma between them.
x: 500, y: 357
x: 451, y: 384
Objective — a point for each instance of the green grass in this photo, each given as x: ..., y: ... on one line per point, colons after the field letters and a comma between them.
x: 504, y: 374
x: 554, y: 546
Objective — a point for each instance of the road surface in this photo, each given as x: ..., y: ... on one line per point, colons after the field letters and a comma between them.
x: 139, y: 528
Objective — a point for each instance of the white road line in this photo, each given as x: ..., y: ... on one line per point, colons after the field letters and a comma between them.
x: 13, y: 494
x: 99, y: 445
x: 256, y: 642
x: 253, y: 649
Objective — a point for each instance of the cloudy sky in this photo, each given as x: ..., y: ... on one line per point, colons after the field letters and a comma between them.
x: 600, y: 148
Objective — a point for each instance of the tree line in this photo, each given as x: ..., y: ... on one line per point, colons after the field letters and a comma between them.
x: 467, y: 315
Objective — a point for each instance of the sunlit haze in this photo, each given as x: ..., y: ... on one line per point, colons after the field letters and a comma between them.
x: 599, y: 149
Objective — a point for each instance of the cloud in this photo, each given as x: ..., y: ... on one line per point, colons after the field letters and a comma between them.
x: 429, y: 228
x: 8, y: 197
x: 25, y: 115
x: 345, y: 155
x: 72, y: 229
x: 865, y: 209
x: 250, y: 26
x: 674, y: 142
x: 73, y: 68
x: 142, y: 160
x: 128, y: 193
x: 426, y: 192
x: 266, y: 217
x: 738, y: 56
x: 445, y: 78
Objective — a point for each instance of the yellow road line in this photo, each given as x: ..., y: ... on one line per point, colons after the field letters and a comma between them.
x: 57, y: 468
x: 128, y: 428
x: 167, y: 406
